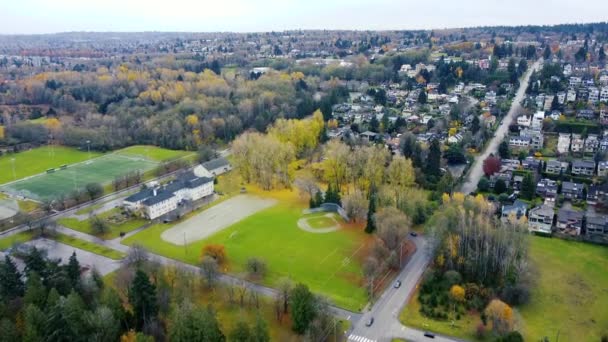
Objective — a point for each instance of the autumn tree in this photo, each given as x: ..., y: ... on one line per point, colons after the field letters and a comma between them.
x: 393, y: 227
x: 491, y: 165
x: 217, y: 252
x: 356, y: 205
x: 501, y: 315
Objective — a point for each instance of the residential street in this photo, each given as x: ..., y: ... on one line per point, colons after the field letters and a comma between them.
x: 476, y: 171
x: 387, y: 308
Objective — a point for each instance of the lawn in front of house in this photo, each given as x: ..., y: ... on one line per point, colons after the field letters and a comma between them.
x: 116, y: 221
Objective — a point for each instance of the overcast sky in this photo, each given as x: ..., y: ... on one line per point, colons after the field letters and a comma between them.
x: 49, y: 16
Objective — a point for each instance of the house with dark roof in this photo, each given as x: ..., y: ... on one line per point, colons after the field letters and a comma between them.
x: 546, y: 187
x: 556, y: 167
x: 540, y: 219
x: 583, y: 167
x: 597, y: 226
x: 515, y: 211
x: 217, y: 166
x: 158, y: 201
x: 596, y: 193
x: 572, y: 190
x: 569, y: 221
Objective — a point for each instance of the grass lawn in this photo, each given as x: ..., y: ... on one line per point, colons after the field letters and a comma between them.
x: 463, y: 328
x: 330, y: 264
x: 571, y: 294
x: 115, y: 228
x: 38, y: 160
x: 152, y: 152
x: 27, y: 206
x: 9, y: 241
x: 321, y: 221
x: 88, y: 246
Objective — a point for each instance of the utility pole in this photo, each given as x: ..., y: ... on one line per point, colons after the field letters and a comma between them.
x: 89, y: 148
x: 185, y: 245
x: 13, y: 163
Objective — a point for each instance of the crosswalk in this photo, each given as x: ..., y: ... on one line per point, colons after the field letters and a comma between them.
x: 357, y: 338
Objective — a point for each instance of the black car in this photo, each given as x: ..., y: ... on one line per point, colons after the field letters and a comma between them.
x: 429, y: 335
x: 369, y: 322
x: 414, y: 234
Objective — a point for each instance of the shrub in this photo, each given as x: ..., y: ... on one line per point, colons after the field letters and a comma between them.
x: 256, y: 267
x: 217, y: 252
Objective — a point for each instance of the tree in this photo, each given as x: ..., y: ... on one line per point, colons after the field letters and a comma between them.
x: 260, y: 332
x: 393, y: 227
x: 103, y: 324
x: 500, y: 187
x: 400, y: 173
x: 433, y: 159
x: 503, y: 150
x: 422, y: 98
x: 206, y: 153
x: 194, y: 324
x: 491, y: 165
x: 256, y: 267
x: 528, y: 187
x: 11, y: 285
x: 35, y: 293
x: 483, y: 185
x: 98, y: 225
x: 142, y: 297
x: 302, y: 304
x: 9, y: 331
x: 285, y: 287
x: 475, y: 124
x: 501, y: 315
x: 356, y: 205
x: 210, y: 269
x: 73, y: 269
x: 217, y: 252
x: 370, y: 226
x: 547, y: 52
x: 602, y: 54
x: 457, y: 293
x: 241, y: 332
x: 455, y: 155
x: 94, y: 190
x: 35, y: 324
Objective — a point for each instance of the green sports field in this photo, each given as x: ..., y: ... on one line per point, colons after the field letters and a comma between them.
x: 99, y: 170
x: 38, y: 160
x: 152, y: 152
x: 329, y: 263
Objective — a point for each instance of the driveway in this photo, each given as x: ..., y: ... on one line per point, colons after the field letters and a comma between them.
x: 476, y: 170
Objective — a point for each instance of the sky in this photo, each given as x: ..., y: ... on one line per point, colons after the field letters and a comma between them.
x: 50, y: 16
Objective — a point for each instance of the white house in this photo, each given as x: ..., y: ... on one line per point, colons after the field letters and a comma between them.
x: 524, y: 121
x: 540, y: 219
x: 577, y: 143
x: 571, y: 95
x: 604, y: 94
x: 537, y: 120
x: 563, y: 143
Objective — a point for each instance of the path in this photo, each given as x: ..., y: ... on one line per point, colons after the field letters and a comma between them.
x: 476, y: 171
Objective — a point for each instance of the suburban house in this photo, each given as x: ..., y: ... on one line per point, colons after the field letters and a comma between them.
x: 531, y: 164
x: 369, y: 136
x: 536, y: 138
x: 156, y: 202
x: 540, y: 219
x: 572, y: 190
x: 555, y: 167
x: 592, y: 143
x: 596, y: 193
x: 519, y: 141
x: 546, y: 187
x: 537, y: 120
x: 583, y: 167
x: 571, y: 95
x: 524, y: 121
x: 515, y: 211
x: 563, y: 143
x: 597, y: 226
x: 602, y: 168
x: 577, y: 143
x: 517, y: 180
x: 505, y: 176
x: 217, y: 166
x: 569, y: 221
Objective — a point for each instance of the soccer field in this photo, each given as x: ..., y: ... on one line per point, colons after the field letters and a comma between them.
x: 99, y: 170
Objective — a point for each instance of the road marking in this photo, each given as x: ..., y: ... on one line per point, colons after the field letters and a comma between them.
x: 358, y: 338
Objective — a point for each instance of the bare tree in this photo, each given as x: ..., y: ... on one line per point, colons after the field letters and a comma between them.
x: 285, y: 286
x: 393, y: 227
x: 210, y: 270
x: 355, y: 204
x: 136, y: 257
x: 256, y: 267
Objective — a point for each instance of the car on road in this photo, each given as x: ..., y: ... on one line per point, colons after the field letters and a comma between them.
x: 429, y: 334
x: 414, y: 234
x: 397, y: 284
x: 369, y: 322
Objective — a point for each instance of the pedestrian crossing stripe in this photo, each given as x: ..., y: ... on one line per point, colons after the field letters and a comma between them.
x: 357, y: 338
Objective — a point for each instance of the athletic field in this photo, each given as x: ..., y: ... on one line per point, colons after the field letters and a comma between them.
x: 99, y: 170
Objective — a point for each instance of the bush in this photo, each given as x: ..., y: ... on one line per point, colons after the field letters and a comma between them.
x: 256, y: 267
x: 452, y: 278
x: 516, y: 295
x: 480, y: 331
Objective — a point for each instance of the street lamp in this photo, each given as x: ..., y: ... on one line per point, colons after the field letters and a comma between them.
x: 89, y: 148
x: 13, y: 163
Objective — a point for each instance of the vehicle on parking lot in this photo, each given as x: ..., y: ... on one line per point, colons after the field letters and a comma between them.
x: 429, y: 334
x: 414, y: 234
x: 369, y: 322
x: 397, y: 284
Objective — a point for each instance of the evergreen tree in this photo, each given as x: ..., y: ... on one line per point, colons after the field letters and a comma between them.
x: 417, y: 156
x: 433, y: 160
x: 73, y: 269
x: 503, y: 150
x: 142, y: 296
x: 422, y: 98
x: 241, y: 332
x: 547, y: 52
x: 319, y: 199
x: 528, y: 187
x: 500, y: 187
x: 35, y: 322
x: 602, y: 55
x: 260, y: 332
x: 35, y: 293
x: 374, y: 124
x: 302, y: 308
x: 370, y: 227
x: 8, y: 331
x: 34, y: 261
x: 11, y: 285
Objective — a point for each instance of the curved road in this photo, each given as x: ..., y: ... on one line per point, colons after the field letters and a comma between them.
x: 476, y: 170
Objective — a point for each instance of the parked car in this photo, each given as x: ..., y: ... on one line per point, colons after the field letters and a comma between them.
x: 397, y: 284
x: 414, y: 234
x: 369, y: 322
x: 429, y: 334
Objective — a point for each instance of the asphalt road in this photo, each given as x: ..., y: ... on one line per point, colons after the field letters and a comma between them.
x: 476, y: 171
x: 387, y: 308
